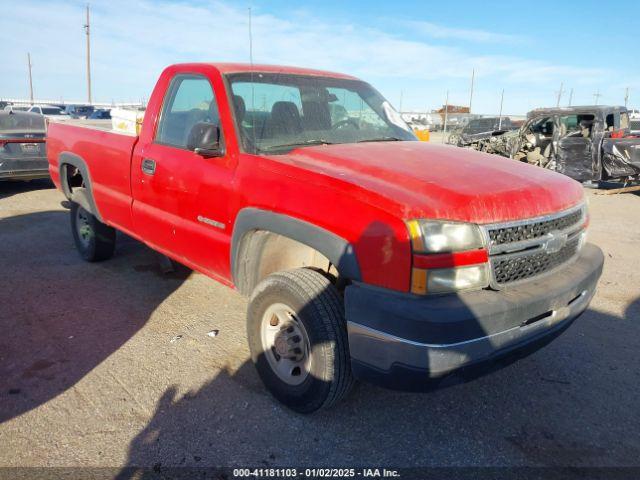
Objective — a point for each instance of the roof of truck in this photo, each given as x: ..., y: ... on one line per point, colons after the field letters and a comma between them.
x: 225, y: 68
x: 576, y: 109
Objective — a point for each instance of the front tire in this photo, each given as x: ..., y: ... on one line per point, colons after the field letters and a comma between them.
x: 298, y: 339
x: 94, y: 240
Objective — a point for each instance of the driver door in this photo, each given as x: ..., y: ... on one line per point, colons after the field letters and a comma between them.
x: 181, y: 198
x: 573, y: 148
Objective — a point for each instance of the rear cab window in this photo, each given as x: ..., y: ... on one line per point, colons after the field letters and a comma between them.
x: 21, y: 122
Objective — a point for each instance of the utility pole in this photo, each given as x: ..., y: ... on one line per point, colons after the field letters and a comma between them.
x: 88, y: 34
x: 570, y: 96
x: 473, y: 75
x: 250, y: 41
x: 626, y: 97
x: 30, y: 80
x: 446, y: 116
x: 559, y: 94
x: 500, y: 116
x: 597, y: 96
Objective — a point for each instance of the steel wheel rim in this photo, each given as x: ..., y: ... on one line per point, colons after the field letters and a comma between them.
x: 83, y: 227
x: 285, y: 344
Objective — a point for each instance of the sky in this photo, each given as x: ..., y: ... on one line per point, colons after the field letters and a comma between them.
x: 413, y: 52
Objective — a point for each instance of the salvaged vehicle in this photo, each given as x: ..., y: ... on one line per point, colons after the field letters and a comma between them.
x: 588, y: 144
x: 477, y: 130
x: 22, y: 146
x: 365, y: 253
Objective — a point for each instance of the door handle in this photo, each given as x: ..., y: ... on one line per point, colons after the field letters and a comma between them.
x: 148, y: 166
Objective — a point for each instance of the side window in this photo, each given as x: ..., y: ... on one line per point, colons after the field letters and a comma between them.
x: 576, y: 125
x: 610, y: 120
x: 569, y: 124
x: 543, y: 126
x: 624, y: 120
x: 189, y: 100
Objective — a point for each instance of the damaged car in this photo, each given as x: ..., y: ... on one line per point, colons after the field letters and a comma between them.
x: 589, y: 144
x: 476, y: 131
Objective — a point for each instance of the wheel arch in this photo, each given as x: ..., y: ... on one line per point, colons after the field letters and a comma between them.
x: 254, y: 228
x: 82, y: 195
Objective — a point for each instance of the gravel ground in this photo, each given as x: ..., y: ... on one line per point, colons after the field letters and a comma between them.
x: 111, y: 364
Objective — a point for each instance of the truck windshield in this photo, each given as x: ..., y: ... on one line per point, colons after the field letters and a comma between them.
x: 276, y: 113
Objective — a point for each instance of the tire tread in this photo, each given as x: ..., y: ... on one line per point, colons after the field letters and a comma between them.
x: 318, y: 292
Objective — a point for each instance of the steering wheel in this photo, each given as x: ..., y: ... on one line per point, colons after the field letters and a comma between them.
x: 343, y: 123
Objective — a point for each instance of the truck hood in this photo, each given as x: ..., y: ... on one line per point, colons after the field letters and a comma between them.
x: 422, y: 180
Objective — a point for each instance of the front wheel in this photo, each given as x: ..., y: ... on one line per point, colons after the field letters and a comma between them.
x: 298, y: 339
x: 94, y: 240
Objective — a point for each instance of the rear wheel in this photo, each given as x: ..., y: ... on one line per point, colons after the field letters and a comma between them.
x: 298, y: 339
x: 94, y: 240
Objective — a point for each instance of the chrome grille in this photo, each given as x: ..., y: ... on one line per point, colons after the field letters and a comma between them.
x: 529, y: 231
x: 522, y: 267
x: 525, y: 249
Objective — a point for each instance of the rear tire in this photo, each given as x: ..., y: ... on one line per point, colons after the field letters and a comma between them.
x: 94, y: 240
x: 298, y: 340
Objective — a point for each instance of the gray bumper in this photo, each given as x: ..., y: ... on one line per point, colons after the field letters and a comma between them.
x: 399, y: 340
x: 24, y: 174
x: 23, y: 167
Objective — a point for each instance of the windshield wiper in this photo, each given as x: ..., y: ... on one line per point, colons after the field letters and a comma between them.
x: 297, y: 144
x: 381, y: 139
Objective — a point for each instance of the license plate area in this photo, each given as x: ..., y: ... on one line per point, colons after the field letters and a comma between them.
x: 29, y: 147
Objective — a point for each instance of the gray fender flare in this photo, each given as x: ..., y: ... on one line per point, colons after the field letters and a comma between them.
x: 81, y: 196
x: 338, y: 250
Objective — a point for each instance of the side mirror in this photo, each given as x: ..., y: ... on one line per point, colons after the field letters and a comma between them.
x: 204, y: 139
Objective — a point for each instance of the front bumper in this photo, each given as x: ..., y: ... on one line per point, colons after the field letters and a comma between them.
x: 412, y: 343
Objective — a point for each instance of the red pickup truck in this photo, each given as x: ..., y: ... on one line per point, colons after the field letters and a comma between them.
x: 365, y: 254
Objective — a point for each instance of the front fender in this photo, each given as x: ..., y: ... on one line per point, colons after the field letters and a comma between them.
x: 338, y: 250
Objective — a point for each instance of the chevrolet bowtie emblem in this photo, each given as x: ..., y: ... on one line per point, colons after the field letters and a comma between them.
x: 554, y: 242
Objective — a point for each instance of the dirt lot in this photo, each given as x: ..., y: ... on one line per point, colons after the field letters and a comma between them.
x: 110, y: 364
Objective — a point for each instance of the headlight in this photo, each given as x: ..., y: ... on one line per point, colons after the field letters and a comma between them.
x: 436, y: 237
x: 447, y: 257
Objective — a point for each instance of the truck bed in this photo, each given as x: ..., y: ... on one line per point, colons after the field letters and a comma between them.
x: 96, y: 124
x: 106, y: 155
